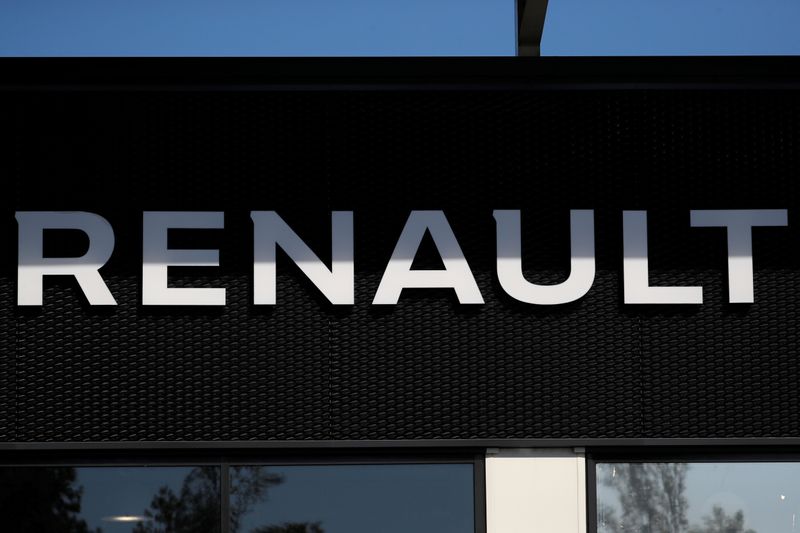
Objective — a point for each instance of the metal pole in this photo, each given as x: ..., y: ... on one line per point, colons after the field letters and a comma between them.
x: 530, y: 24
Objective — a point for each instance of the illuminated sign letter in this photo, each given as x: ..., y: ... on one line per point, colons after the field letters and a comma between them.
x: 158, y: 257
x: 33, y: 266
x: 740, y: 243
x: 636, y: 272
x: 270, y: 231
x: 509, y: 260
x: 456, y: 274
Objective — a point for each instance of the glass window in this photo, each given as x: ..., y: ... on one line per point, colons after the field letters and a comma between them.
x: 111, y: 500
x: 341, y: 498
x: 400, y: 498
x: 681, y: 497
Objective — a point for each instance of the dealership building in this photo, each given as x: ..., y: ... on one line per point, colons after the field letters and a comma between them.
x: 451, y: 295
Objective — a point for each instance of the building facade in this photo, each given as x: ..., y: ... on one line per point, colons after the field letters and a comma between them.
x: 305, y: 295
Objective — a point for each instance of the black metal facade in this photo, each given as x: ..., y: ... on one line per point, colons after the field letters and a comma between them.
x: 427, y: 368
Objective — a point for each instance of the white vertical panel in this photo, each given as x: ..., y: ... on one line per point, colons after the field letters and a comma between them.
x: 535, y: 491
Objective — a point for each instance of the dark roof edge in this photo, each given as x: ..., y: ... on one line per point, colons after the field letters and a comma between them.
x: 382, y: 73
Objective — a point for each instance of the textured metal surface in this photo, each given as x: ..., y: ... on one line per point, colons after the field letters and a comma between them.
x: 427, y: 368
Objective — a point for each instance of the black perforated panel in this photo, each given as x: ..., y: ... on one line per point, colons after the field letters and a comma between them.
x: 427, y: 368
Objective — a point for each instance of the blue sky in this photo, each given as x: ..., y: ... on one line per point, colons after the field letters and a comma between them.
x: 392, y: 27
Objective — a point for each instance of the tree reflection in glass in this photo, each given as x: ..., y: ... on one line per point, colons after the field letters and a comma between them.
x: 365, y: 498
x: 651, y: 498
x: 41, y: 499
x: 109, y: 500
x: 720, y: 522
x: 393, y: 498
x: 195, y: 508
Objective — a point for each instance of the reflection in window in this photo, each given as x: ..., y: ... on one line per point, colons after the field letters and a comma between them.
x: 386, y: 498
x: 109, y: 500
x: 398, y: 498
x: 698, y: 497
